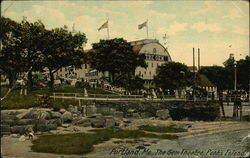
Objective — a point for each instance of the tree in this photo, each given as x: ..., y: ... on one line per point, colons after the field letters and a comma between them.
x: 117, y: 57
x: 61, y: 48
x: 218, y: 75
x: 11, y: 58
x: 173, y: 75
x: 243, y: 73
x: 32, y: 38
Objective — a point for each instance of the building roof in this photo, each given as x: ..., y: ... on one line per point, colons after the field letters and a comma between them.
x: 204, y: 81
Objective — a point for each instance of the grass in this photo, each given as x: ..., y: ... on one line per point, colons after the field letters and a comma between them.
x: 162, y: 129
x: 16, y: 101
x: 82, y: 143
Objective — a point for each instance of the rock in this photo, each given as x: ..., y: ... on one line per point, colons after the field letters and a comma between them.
x: 5, y: 128
x: 136, y: 115
x: 103, y: 110
x: 8, y: 122
x: 28, y: 128
x: 57, y: 121
x: 14, y: 135
x: 66, y: 117
x: 46, y: 127
x: 126, y: 120
x: 18, y: 129
x: 109, y: 122
x: 145, y: 114
x: 22, y: 114
x: 5, y: 116
x: 22, y: 138
x: 118, y: 114
x: 84, y: 122
x: 131, y: 110
x: 97, y: 122
x: 55, y: 114
x: 25, y: 122
x: 62, y: 111
x: 162, y: 114
x: 65, y: 125
x: 37, y: 114
x: 90, y: 110
x: 74, y: 115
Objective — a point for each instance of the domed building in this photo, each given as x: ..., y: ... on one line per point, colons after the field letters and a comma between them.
x: 156, y: 55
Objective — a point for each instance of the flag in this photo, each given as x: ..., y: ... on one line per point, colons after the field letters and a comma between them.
x: 105, y: 25
x: 142, y: 25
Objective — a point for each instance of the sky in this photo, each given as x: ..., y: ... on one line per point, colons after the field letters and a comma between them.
x: 218, y: 28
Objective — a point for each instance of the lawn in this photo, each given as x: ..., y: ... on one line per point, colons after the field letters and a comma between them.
x: 16, y: 101
x: 82, y: 143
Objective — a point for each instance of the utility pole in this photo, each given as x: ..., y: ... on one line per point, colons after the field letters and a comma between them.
x: 194, y: 74
x: 199, y: 59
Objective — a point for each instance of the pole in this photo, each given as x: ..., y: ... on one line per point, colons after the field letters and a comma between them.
x: 147, y: 29
x: 235, y: 77
x: 194, y: 73
x: 108, y: 31
x: 198, y: 58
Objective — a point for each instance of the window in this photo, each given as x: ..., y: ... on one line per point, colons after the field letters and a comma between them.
x: 154, y: 50
x: 152, y: 64
x: 86, y: 66
x: 145, y: 72
x: 149, y: 73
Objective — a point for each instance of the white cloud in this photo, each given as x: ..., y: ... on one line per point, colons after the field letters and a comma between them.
x: 201, y: 27
x: 173, y: 28
x: 233, y: 14
x: 154, y: 13
x: 240, y: 30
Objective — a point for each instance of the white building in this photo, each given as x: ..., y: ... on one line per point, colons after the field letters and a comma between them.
x: 156, y: 55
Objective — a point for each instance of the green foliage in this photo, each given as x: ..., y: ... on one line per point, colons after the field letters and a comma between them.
x: 82, y: 143
x: 173, y: 75
x: 162, y: 129
x: 243, y: 73
x: 44, y: 101
x: 31, y: 47
x: 218, y: 75
x: 117, y: 57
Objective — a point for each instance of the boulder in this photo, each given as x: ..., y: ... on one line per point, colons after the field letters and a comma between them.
x: 56, y: 121
x: 66, y: 117
x: 118, y: 114
x: 18, y: 129
x: 37, y: 114
x: 109, y: 122
x: 62, y: 111
x: 145, y: 115
x: 46, y: 127
x: 5, y: 128
x: 162, y: 114
x: 97, y: 122
x: 84, y: 122
x: 55, y: 114
x: 103, y: 110
x: 91, y: 110
x: 135, y: 115
x: 25, y: 122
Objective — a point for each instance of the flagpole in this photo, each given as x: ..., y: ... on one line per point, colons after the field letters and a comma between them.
x: 147, y: 29
x: 108, y: 31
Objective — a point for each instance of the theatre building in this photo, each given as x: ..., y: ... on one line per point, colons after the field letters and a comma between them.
x: 156, y: 55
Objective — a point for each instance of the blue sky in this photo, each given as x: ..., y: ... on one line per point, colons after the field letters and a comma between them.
x: 210, y: 25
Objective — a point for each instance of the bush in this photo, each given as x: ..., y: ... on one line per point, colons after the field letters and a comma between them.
x: 44, y: 101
